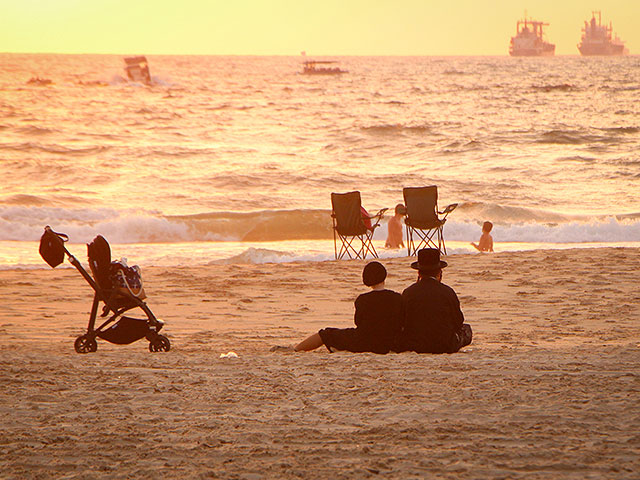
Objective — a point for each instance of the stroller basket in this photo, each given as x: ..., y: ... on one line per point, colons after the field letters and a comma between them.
x: 126, y: 330
x: 117, y: 328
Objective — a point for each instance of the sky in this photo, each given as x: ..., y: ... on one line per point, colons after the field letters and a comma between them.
x: 287, y: 27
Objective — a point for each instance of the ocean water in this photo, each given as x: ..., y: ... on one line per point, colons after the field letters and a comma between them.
x: 233, y: 159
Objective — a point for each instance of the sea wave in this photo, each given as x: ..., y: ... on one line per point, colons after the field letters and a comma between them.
x: 574, y: 137
x: 31, y: 147
x: 512, y: 224
x: 622, y: 130
x: 458, y: 146
x: 563, y: 87
x: 577, y: 158
x: 271, y: 225
x: 453, y: 71
x: 33, y: 130
x: 396, y: 129
x: 606, y: 230
x: 24, y: 199
x: 25, y: 223
x: 507, y: 214
x: 264, y: 255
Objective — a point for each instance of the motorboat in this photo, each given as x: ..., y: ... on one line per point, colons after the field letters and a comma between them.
x: 137, y: 69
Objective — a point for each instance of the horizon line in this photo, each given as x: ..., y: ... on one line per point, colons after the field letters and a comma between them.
x: 315, y: 55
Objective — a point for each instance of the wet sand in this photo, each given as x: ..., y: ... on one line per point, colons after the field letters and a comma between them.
x: 549, y: 387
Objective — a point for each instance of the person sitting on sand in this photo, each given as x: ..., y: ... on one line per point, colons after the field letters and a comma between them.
x: 485, y: 244
x: 433, y: 321
x: 377, y: 318
x: 394, y: 235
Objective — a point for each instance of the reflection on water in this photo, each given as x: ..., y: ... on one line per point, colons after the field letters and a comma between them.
x: 221, y: 149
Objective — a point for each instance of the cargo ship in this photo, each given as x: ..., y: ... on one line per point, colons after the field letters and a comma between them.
x: 598, y: 39
x: 529, y: 40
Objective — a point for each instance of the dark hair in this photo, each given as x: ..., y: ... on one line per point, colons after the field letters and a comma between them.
x: 373, y: 274
x: 487, y: 226
x: 401, y: 209
x: 429, y: 273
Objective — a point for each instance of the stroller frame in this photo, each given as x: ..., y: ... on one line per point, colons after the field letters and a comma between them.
x: 117, y: 328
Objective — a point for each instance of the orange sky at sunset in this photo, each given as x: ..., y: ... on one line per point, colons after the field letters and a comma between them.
x: 286, y: 27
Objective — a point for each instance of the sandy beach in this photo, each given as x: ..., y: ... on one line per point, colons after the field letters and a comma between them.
x: 549, y: 387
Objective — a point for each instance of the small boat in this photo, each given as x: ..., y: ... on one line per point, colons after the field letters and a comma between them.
x: 310, y: 67
x: 92, y: 83
x: 529, y: 40
x: 137, y: 69
x: 598, y: 39
x: 39, y: 81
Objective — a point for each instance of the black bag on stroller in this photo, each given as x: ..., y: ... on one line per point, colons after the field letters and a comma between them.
x: 107, y: 282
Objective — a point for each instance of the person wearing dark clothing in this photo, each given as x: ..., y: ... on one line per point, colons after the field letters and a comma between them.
x: 433, y: 321
x: 378, y: 319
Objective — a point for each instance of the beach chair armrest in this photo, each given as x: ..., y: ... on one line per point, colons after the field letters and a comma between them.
x: 448, y: 209
x: 377, y: 217
x: 380, y: 213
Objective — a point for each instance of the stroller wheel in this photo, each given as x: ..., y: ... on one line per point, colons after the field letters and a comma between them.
x: 160, y: 343
x: 85, y: 344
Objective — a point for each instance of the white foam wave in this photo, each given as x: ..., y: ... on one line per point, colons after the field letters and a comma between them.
x: 263, y: 255
x: 82, y: 225
x: 26, y: 223
x: 607, y: 230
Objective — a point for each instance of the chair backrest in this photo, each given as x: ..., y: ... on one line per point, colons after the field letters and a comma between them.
x: 99, y: 254
x: 422, y: 204
x: 346, y: 213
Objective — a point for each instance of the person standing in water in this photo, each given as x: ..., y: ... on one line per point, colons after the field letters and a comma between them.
x: 394, y: 235
x: 485, y: 244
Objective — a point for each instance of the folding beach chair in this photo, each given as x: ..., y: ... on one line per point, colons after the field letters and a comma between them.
x: 349, y: 226
x: 422, y: 219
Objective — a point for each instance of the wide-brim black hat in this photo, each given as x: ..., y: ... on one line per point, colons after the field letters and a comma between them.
x: 428, y: 259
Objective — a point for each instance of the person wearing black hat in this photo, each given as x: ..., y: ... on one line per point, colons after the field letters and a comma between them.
x: 378, y: 319
x: 433, y: 321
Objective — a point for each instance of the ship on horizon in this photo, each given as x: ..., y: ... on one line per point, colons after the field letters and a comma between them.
x: 529, y: 40
x: 310, y: 67
x: 598, y: 39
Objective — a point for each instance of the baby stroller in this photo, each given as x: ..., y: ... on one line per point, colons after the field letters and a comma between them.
x: 118, y: 329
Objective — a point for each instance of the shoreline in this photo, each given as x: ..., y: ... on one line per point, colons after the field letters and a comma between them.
x: 24, y: 255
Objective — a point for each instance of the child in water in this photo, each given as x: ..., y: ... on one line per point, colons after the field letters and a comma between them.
x: 485, y: 244
x: 394, y: 235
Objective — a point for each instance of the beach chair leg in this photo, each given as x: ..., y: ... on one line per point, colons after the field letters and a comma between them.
x: 410, y: 250
x: 441, y: 246
x: 347, y: 248
x: 424, y: 239
x: 370, y: 248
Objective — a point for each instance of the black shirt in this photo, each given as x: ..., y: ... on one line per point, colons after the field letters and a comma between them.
x: 378, y: 318
x: 431, y: 317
